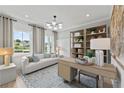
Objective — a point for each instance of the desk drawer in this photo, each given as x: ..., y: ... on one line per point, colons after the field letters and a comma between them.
x: 66, y: 72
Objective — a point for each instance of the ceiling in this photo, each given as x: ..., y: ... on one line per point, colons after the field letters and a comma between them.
x: 70, y: 16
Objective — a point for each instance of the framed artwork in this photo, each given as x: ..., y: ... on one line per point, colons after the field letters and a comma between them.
x: 117, y: 31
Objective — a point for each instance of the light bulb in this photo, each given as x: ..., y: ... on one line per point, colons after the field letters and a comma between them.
x: 60, y: 26
x: 26, y: 16
x: 53, y: 23
x: 87, y: 15
x: 55, y: 28
x: 50, y: 27
x: 48, y: 24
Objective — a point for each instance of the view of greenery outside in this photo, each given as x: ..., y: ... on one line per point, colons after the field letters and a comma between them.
x: 22, y: 42
x: 21, y: 45
x: 47, y: 48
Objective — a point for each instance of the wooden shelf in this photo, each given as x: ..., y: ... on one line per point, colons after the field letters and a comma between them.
x: 78, y: 53
x: 96, y: 34
x: 78, y: 36
x: 78, y: 47
x: 77, y: 42
x: 85, y: 36
x: 87, y: 47
x: 88, y: 41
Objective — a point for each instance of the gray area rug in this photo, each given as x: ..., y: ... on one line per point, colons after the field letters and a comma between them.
x: 48, y: 78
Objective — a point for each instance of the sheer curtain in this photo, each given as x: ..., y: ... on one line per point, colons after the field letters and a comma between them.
x: 55, y: 36
x: 50, y: 41
x: 6, y: 33
x: 38, y: 39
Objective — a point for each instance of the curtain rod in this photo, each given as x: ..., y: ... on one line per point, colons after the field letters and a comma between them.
x: 9, y: 18
x: 55, y: 31
x: 34, y: 25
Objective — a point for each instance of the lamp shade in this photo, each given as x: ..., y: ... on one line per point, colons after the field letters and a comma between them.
x: 6, y: 51
x: 100, y: 43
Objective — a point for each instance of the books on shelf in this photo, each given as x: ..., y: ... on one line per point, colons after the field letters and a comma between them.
x: 80, y: 50
x: 80, y: 40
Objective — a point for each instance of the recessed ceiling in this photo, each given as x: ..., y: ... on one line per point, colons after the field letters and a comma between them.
x: 70, y: 15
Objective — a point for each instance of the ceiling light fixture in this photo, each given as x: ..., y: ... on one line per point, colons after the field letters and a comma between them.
x: 54, y: 25
x: 26, y: 16
x: 87, y: 15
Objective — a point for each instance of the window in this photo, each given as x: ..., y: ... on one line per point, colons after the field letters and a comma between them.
x: 49, y: 42
x: 22, y: 41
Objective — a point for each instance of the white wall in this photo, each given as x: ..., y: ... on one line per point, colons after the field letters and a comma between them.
x: 64, y: 43
x: 64, y: 36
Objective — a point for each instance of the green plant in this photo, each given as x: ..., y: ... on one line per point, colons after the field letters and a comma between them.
x: 90, y: 53
x: 80, y: 38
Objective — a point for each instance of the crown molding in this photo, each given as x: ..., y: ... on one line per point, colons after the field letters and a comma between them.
x: 78, y: 27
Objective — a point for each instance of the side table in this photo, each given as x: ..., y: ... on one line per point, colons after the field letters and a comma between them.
x: 7, y: 73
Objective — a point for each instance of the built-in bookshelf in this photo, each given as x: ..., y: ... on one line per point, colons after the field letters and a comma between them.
x: 77, y: 44
x: 80, y: 40
x: 96, y: 32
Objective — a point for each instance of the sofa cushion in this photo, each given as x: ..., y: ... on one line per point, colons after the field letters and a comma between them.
x: 35, y: 59
x: 61, y: 56
x: 53, y: 55
x: 40, y: 56
x: 49, y: 60
x: 33, y: 66
x: 25, y: 60
x: 46, y: 55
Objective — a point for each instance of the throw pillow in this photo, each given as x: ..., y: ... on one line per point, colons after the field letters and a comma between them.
x: 40, y: 56
x: 46, y: 55
x: 61, y: 56
x: 35, y: 59
x: 30, y: 59
x: 53, y: 55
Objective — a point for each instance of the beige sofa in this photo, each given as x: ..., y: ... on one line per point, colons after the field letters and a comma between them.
x: 28, y: 67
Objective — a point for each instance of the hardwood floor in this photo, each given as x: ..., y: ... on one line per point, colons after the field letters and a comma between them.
x: 15, y: 84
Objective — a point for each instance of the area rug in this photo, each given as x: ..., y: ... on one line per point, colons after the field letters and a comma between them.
x: 48, y: 78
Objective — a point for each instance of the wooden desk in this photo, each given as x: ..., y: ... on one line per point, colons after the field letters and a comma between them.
x: 67, y: 67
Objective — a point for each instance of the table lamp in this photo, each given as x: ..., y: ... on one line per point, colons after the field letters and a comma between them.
x: 6, y: 52
x: 99, y: 45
